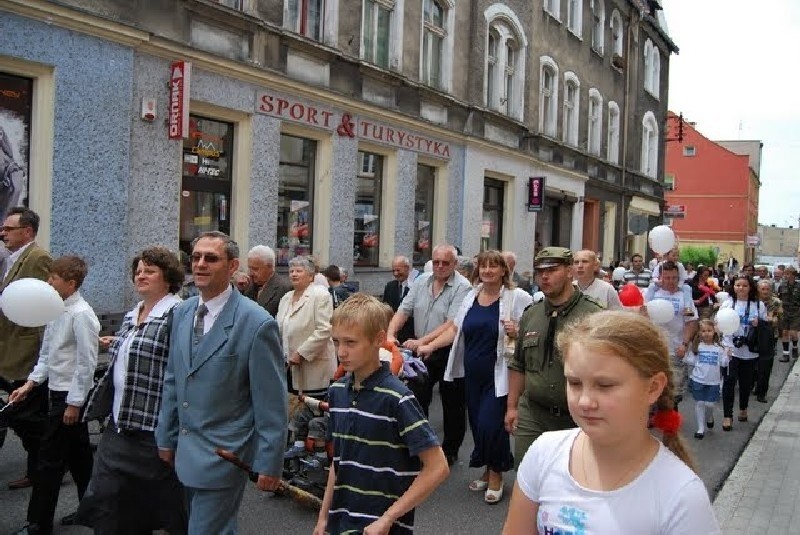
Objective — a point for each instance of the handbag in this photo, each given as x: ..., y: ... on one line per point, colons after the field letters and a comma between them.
x: 509, y: 342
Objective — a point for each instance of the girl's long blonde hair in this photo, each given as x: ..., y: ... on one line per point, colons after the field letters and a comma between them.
x: 641, y: 344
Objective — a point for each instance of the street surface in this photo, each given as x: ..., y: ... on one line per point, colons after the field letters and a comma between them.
x: 452, y: 509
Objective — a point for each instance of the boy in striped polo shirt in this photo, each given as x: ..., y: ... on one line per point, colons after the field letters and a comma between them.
x: 386, y: 458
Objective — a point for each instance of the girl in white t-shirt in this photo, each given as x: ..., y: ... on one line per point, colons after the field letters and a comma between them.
x: 706, y: 355
x: 611, y: 475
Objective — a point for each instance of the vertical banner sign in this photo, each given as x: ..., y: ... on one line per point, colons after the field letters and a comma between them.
x: 180, y: 74
x: 535, y: 193
x: 15, y: 135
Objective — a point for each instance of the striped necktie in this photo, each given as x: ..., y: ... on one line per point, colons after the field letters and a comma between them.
x: 199, y: 322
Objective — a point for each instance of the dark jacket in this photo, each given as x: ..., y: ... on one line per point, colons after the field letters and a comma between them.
x: 269, y: 295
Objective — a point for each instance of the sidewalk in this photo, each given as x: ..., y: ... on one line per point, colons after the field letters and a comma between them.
x: 761, y: 494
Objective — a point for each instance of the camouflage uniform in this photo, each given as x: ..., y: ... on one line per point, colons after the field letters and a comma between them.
x: 789, y: 294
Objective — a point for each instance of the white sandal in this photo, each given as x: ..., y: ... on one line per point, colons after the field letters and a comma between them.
x: 478, y: 485
x: 493, y: 496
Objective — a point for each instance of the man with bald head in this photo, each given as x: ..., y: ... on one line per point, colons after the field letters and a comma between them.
x: 511, y: 261
x: 585, y: 264
x: 434, y: 300
x: 395, y: 291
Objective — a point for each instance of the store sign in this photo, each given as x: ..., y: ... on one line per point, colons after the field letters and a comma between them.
x: 536, y: 193
x: 675, y: 211
x: 345, y: 125
x: 754, y: 241
x: 179, y: 82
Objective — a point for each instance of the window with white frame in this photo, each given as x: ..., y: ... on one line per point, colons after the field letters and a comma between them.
x: 613, y: 132
x: 233, y: 4
x: 598, y: 26
x: 648, y: 65
x: 572, y: 87
x: 434, y: 32
x: 548, y: 96
x: 689, y: 150
x: 616, y: 36
x: 306, y: 17
x: 376, y: 30
x: 553, y: 7
x: 649, y: 163
x: 491, y: 68
x: 655, y: 68
x: 505, y: 61
x: 575, y: 17
x: 594, y: 138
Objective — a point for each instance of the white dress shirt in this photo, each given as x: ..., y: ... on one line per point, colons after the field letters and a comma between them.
x: 13, y: 257
x: 69, y: 351
x: 215, y: 306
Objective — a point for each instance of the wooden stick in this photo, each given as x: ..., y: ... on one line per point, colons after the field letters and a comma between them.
x: 285, y: 489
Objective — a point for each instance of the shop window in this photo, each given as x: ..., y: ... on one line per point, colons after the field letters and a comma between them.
x: 207, y: 178
x: 423, y: 214
x: 369, y: 188
x: 16, y: 98
x: 492, y: 224
x: 295, y: 197
x: 376, y: 31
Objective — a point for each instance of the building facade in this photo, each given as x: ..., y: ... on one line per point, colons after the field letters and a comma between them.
x: 349, y: 130
x: 712, y: 193
x: 778, y: 245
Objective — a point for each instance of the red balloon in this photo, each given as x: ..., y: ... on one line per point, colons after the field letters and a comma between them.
x: 631, y: 296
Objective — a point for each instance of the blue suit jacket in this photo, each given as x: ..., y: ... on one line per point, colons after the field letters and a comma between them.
x: 232, y: 396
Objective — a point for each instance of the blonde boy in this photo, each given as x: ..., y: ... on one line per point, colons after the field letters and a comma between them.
x: 387, y: 459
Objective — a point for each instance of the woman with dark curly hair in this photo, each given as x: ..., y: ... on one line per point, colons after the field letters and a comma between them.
x: 132, y: 490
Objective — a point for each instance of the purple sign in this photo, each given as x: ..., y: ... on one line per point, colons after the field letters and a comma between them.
x: 535, y: 193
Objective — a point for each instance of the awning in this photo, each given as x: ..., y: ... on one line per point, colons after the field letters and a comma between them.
x: 644, y: 205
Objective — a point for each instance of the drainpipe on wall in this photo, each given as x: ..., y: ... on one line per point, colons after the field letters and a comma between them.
x: 629, y: 63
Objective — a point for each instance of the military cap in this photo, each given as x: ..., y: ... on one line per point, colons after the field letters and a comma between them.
x: 552, y: 257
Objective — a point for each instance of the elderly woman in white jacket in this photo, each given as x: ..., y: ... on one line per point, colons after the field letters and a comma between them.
x: 489, y: 316
x: 304, y: 318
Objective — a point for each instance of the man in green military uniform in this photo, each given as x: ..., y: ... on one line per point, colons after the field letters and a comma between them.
x: 537, y: 398
x: 789, y: 293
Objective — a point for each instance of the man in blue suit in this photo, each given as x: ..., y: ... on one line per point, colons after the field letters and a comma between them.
x: 224, y: 387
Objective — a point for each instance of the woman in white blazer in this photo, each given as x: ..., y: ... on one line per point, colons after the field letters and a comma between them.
x: 489, y: 312
x: 304, y: 318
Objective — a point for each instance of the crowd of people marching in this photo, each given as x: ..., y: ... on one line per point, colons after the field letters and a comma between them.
x: 562, y: 376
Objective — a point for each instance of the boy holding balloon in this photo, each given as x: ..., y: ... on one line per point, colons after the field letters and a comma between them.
x: 67, y: 361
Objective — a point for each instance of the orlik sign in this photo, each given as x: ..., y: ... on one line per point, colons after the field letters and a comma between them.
x: 346, y: 125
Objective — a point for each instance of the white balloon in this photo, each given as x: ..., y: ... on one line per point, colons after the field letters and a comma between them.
x: 538, y: 296
x: 31, y: 303
x: 660, y: 310
x: 618, y: 274
x: 727, y: 321
x: 722, y: 297
x: 662, y: 239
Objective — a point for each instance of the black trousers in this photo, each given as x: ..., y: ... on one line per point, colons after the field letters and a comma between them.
x: 28, y: 420
x: 454, y: 401
x: 62, y: 447
x: 762, y: 374
x: 743, y: 372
